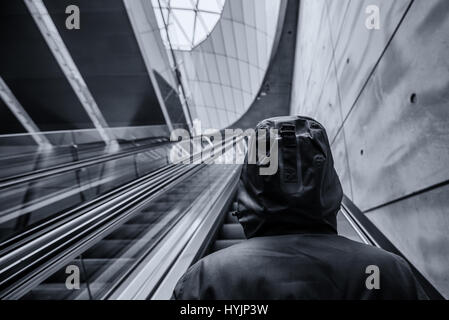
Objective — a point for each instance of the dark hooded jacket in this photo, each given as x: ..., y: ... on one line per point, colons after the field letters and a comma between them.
x: 293, y: 250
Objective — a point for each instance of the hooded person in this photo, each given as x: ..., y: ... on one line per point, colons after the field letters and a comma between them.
x: 293, y: 250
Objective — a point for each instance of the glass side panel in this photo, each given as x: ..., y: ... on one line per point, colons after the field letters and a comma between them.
x: 16, y: 160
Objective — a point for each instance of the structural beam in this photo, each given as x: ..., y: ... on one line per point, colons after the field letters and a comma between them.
x: 61, y: 53
x: 24, y: 118
x: 181, y: 87
x: 130, y: 6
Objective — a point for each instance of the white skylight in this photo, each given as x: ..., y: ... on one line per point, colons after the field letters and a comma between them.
x: 186, y: 23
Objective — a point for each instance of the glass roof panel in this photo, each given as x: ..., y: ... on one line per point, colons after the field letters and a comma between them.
x: 182, y: 4
x: 186, y: 23
x: 211, y: 5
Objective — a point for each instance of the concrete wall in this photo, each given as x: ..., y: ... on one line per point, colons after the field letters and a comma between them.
x: 383, y: 96
x: 274, y: 96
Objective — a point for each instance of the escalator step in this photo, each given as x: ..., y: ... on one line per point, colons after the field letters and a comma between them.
x: 222, y: 244
x: 231, y: 231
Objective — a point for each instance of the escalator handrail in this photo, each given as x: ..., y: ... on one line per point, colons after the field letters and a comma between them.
x: 378, y: 239
x: 23, y: 263
x: 75, y: 165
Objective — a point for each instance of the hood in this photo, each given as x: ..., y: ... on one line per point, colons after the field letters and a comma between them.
x: 304, y: 195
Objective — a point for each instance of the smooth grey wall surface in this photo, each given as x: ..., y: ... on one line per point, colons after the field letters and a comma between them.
x: 383, y: 96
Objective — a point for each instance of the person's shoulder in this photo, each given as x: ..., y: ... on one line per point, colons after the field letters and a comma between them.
x: 229, y: 255
x: 219, y: 259
x: 201, y: 278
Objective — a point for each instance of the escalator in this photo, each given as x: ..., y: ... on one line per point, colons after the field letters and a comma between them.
x: 135, y: 241
x: 110, y: 258
x: 108, y: 237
